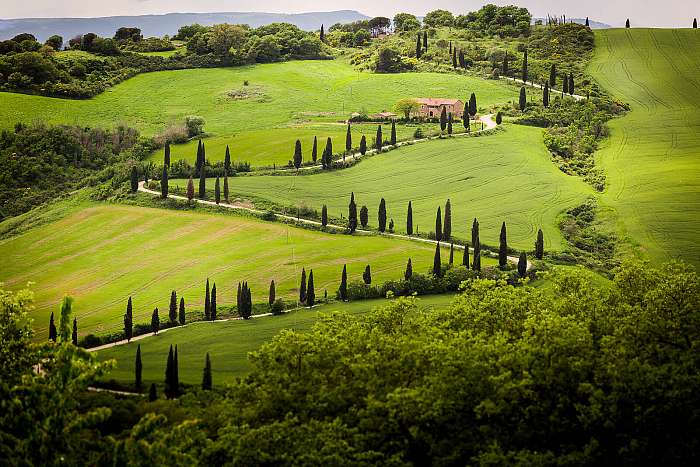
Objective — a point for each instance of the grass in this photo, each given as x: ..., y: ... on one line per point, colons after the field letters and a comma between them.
x: 651, y: 158
x: 228, y: 343
x: 503, y: 177
x: 294, y: 94
x: 103, y: 254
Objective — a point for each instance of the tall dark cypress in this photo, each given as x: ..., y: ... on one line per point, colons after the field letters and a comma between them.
x: 462, y: 61
x: 553, y: 76
x: 476, y: 261
x: 505, y: 67
x: 367, y: 275
x: 53, y: 334
x: 393, y: 133
x: 627, y: 23
x: 134, y: 179
x: 450, y: 46
x: 454, y: 58
x: 545, y: 95
x: 363, y: 145
x: 522, y: 102
x: 525, y: 69
x: 328, y: 154
x: 452, y: 253
x: 348, y: 140
x: 419, y: 47
x: 587, y: 22
x: 206, y: 376
x: 138, y: 370
x: 169, y: 376
x: 465, y: 116
x: 297, y: 154
x: 408, y: 273
x: 239, y: 300
x: 322, y: 35
x: 217, y: 191
x: 155, y: 321
x: 364, y: 216
x: 565, y: 84
x: 449, y: 123
x: 172, y: 310
x: 437, y: 262
x: 314, y: 150
x: 352, y: 214
x: 181, y: 311
x: 409, y: 220
x: 198, y: 161
x: 447, y: 225
x: 379, y: 140
x: 227, y: 161
x: 310, y: 292
x: 438, y: 225
x: 226, y: 188
x: 465, y: 256
x: 74, y: 335
x: 202, y: 183
x: 302, y: 287
x: 212, y: 303
x: 522, y: 264
x: 207, y: 302
x: 343, y: 289
x: 166, y: 156
x: 503, y: 248
x: 443, y: 119
x: 164, y: 183
x: 128, y: 321
x: 381, y: 216
x: 571, y: 84
x: 539, y: 245
x: 695, y: 23
x: 152, y: 393
x: 176, y: 373
x: 425, y: 40
x: 324, y: 215
x: 472, y: 105
x: 271, y: 294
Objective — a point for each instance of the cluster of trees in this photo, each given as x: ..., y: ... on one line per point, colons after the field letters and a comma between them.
x: 491, y: 20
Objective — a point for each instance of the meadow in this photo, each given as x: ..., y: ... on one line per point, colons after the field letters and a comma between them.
x: 651, y: 158
x: 228, y: 343
x: 507, y: 177
x: 278, y: 97
x: 102, y: 254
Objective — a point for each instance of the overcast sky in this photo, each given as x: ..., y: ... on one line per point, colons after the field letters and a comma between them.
x: 664, y: 13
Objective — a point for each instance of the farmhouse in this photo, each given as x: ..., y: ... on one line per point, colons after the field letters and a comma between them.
x: 432, y: 107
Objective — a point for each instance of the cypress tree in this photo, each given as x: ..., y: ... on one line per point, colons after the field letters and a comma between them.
x: 239, y: 300
x: 553, y: 76
x: 128, y: 321
x: 409, y: 220
x: 169, y: 375
x: 503, y: 248
x: 271, y: 295
x: 695, y: 23
x: 452, y: 253
x: 443, y: 119
x: 438, y: 225
x: 462, y: 61
x: 419, y: 48
x: 227, y: 161
x: 322, y: 35
x: 465, y: 117
x: 164, y: 183
x: 367, y: 275
x: 53, y: 334
x: 363, y: 145
x: 217, y: 191
x: 202, y: 184
x: 324, y: 215
x: 472, y: 105
x: 364, y: 216
x: 327, y: 156
x: 504, y: 69
x: 155, y: 321
x: 465, y: 256
x: 539, y: 245
x: 206, y: 377
x: 198, y: 161
x: 310, y: 292
x: 190, y: 189
x: 302, y: 287
x: 447, y: 225
x: 425, y: 40
x: 245, y: 301
x: 437, y: 263
x: 226, y: 188
x: 138, y: 370
x: 348, y: 140
x: 523, y: 99
x: 627, y: 23
x: 166, y: 156
x: 172, y: 310
x: 409, y: 270
x: 381, y: 217
x: 207, y: 302
x: 314, y: 150
x: 545, y: 95
x: 343, y: 290
x: 565, y: 84
x: 134, y: 179
x: 450, y: 46
x: 587, y: 22
x: 454, y: 58
x: 476, y: 261
x: 393, y: 133
x: 297, y: 154
x: 522, y: 264
x: 212, y: 304
x: 352, y: 214
x: 152, y: 393
x: 379, y: 142
x: 74, y: 335
x: 176, y: 373
x: 525, y: 70
x: 449, y: 124
x: 181, y: 311
x: 499, y: 118
x: 571, y: 84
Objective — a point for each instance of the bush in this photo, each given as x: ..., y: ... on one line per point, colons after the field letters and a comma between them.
x: 194, y: 125
x: 278, y: 307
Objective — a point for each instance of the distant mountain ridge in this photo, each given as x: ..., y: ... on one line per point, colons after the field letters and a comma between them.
x: 159, y: 25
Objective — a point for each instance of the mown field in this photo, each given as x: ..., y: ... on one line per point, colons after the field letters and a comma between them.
x: 652, y: 158
x: 280, y: 96
x: 103, y: 254
x: 503, y: 177
x: 228, y: 343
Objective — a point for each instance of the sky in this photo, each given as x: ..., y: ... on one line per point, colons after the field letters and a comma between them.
x: 652, y: 13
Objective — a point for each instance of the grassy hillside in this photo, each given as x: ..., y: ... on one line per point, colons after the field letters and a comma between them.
x: 652, y: 156
x: 503, y: 177
x: 283, y: 95
x: 103, y: 254
x: 228, y: 343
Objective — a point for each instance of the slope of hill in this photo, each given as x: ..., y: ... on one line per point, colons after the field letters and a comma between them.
x: 159, y: 25
x: 651, y: 157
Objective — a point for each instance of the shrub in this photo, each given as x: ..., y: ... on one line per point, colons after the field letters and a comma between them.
x: 194, y: 125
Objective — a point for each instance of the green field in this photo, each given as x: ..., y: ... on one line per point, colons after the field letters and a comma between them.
x: 290, y: 94
x: 103, y: 254
x: 503, y: 177
x: 228, y: 343
x: 652, y: 158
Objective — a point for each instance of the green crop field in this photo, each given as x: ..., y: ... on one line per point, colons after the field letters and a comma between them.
x: 103, y: 254
x: 503, y: 177
x: 280, y: 96
x: 228, y: 343
x: 652, y: 158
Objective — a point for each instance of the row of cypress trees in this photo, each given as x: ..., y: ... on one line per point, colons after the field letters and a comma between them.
x: 172, y: 375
